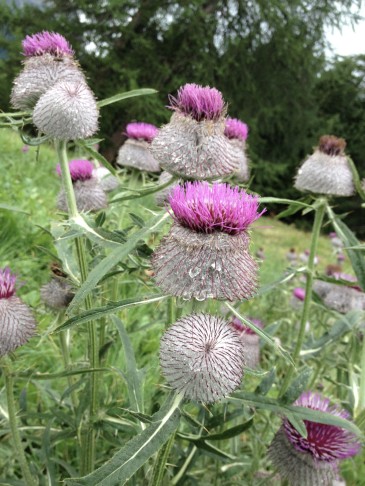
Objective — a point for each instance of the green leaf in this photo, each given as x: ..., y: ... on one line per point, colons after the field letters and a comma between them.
x: 298, y: 424
x: 137, y: 451
x: 301, y: 413
x: 147, y: 191
x: 273, y: 285
x: 356, y: 178
x: 132, y: 375
x: 278, y: 200
x: 160, y: 464
x: 266, y: 383
x: 262, y: 334
x: 34, y: 142
x: 292, y: 209
x: 231, y: 432
x: 118, y: 254
x: 349, y: 240
x: 7, y: 207
x: 125, y: 96
x: 110, y: 308
x: 298, y: 386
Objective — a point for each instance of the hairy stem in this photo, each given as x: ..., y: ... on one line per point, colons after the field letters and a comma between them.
x: 17, y: 443
x: 89, y: 444
x: 362, y: 377
x: 317, y: 224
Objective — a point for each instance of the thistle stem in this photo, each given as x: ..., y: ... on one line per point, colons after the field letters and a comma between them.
x: 362, y: 377
x: 17, y: 443
x: 317, y: 224
x: 89, y: 445
x: 64, y: 342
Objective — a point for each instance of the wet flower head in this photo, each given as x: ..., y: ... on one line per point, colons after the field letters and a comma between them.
x: 201, y: 103
x: 202, y: 357
x: 331, y: 145
x: 7, y: 283
x: 324, y: 442
x: 80, y: 170
x: 208, y: 208
x: 141, y: 131
x: 46, y: 43
x: 236, y: 129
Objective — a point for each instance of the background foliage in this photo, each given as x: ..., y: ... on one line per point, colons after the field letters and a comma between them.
x: 266, y: 57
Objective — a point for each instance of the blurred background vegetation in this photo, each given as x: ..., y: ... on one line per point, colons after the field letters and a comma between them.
x: 267, y: 57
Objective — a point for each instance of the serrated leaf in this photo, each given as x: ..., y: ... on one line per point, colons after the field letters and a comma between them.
x: 349, y: 240
x: 266, y: 383
x: 298, y: 386
x: 262, y: 334
x: 137, y: 220
x: 145, y: 192
x: 137, y: 451
x: 126, y: 95
x: 118, y: 254
x: 111, y: 308
x: 292, y: 209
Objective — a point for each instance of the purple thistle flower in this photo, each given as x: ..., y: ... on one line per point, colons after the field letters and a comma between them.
x: 202, y: 357
x: 208, y: 208
x: 141, y: 131
x: 201, y: 103
x: 299, y: 293
x: 16, y: 320
x: 25, y: 149
x: 7, y: 283
x: 324, y: 442
x: 236, y: 129
x: 46, y: 43
x: 313, y: 460
x: 241, y: 328
x: 80, y: 169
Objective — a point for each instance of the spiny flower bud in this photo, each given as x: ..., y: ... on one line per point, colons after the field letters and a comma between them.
x: 67, y: 111
x: 89, y: 194
x: 327, y: 171
x: 249, y: 339
x: 17, y: 324
x: 48, y: 59
x: 135, y: 152
x: 107, y: 181
x: 206, y: 255
x: 313, y: 460
x: 57, y: 293
x: 46, y: 43
x: 202, y: 357
x: 237, y: 131
x: 340, y: 298
x: 193, y: 144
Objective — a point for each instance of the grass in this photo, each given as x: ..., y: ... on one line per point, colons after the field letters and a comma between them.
x: 30, y: 184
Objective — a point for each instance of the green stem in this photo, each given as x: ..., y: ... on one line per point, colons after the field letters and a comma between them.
x: 318, y: 218
x: 89, y: 445
x: 362, y: 377
x: 64, y: 342
x: 17, y: 443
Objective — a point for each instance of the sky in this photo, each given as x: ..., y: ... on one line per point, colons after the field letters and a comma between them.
x: 349, y: 41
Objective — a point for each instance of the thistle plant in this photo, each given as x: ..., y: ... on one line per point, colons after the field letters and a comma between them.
x: 192, y: 145
x: 237, y: 131
x: 313, y: 460
x: 135, y: 152
x: 206, y: 254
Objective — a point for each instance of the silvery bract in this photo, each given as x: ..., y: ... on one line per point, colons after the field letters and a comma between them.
x: 136, y: 154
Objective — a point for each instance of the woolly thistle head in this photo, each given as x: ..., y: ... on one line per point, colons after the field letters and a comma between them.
x: 202, y: 357
x: 67, y: 111
x: 207, y: 208
x: 7, y: 283
x: 201, y: 103
x: 330, y: 145
x: 325, y: 443
x: 236, y: 129
x: 46, y: 43
x: 16, y: 321
x: 241, y: 328
x: 80, y: 169
x: 141, y: 131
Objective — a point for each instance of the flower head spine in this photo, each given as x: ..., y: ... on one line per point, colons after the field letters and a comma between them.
x: 141, y: 131
x: 46, y: 42
x: 324, y: 442
x: 80, y: 170
x: 7, y: 283
x: 201, y: 103
x: 209, y: 208
x: 236, y: 129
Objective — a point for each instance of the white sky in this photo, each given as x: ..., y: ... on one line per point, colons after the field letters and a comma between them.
x: 349, y: 41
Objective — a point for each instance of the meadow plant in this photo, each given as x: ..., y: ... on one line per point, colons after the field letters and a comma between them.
x: 135, y: 150
x: 192, y: 145
x: 102, y: 414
